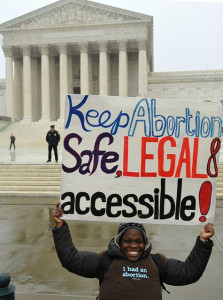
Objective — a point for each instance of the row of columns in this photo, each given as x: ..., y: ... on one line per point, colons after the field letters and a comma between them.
x: 13, y: 82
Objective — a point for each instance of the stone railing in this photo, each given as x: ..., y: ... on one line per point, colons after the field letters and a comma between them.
x: 182, y: 73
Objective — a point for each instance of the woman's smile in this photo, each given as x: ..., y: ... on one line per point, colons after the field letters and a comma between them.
x: 132, y: 244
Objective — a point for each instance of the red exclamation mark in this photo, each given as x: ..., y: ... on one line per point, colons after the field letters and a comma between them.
x: 205, y: 199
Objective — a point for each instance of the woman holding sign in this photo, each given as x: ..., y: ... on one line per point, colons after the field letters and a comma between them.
x: 127, y: 270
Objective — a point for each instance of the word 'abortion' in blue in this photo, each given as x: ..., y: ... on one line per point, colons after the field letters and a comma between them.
x: 145, y: 115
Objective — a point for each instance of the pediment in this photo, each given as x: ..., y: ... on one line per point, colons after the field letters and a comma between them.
x: 71, y: 13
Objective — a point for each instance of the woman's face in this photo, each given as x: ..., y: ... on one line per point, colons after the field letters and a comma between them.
x: 132, y: 244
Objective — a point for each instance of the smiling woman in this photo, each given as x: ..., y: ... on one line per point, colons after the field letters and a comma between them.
x: 132, y: 243
x: 131, y: 272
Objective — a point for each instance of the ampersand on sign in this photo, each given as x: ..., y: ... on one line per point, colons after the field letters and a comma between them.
x: 215, y: 146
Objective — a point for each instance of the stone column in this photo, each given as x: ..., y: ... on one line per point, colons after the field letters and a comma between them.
x: 70, y: 74
x: 9, y: 81
x: 143, y: 68
x: 18, y: 105
x: 45, y: 82
x: 63, y: 77
x: 53, y: 92
x: 84, y: 68
x: 36, y: 92
x: 123, y: 69
x: 103, y: 68
x: 27, y: 88
x: 90, y: 78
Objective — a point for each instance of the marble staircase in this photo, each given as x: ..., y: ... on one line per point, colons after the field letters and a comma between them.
x: 30, y: 180
x: 220, y: 183
x: 45, y: 179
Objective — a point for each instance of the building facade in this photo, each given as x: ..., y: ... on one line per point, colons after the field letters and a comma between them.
x: 187, y: 85
x: 82, y: 47
x: 74, y: 46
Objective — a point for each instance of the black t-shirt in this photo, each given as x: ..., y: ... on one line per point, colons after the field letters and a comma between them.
x: 132, y: 280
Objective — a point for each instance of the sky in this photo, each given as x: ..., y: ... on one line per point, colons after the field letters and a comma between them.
x: 187, y: 33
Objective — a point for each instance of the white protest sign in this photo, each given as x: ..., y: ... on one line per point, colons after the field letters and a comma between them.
x: 139, y: 159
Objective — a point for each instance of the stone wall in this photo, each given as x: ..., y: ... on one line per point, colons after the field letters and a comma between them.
x: 187, y: 85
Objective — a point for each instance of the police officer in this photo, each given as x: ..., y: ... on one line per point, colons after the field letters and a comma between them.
x: 52, y: 138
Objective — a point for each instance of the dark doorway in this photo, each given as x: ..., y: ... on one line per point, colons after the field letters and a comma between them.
x: 76, y: 90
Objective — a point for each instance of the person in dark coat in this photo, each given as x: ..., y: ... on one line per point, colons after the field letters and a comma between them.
x: 132, y: 273
x: 52, y: 138
x: 12, y: 141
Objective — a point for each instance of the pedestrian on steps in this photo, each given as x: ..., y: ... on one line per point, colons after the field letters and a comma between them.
x: 12, y: 141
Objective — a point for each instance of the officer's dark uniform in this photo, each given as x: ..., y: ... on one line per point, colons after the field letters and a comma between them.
x: 52, y: 138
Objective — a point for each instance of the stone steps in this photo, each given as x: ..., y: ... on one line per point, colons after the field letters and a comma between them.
x: 20, y: 177
x: 29, y: 194
x: 44, y: 167
x: 44, y: 180
x: 24, y: 182
x: 30, y: 180
x: 30, y: 188
x: 29, y: 176
x: 219, y: 195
